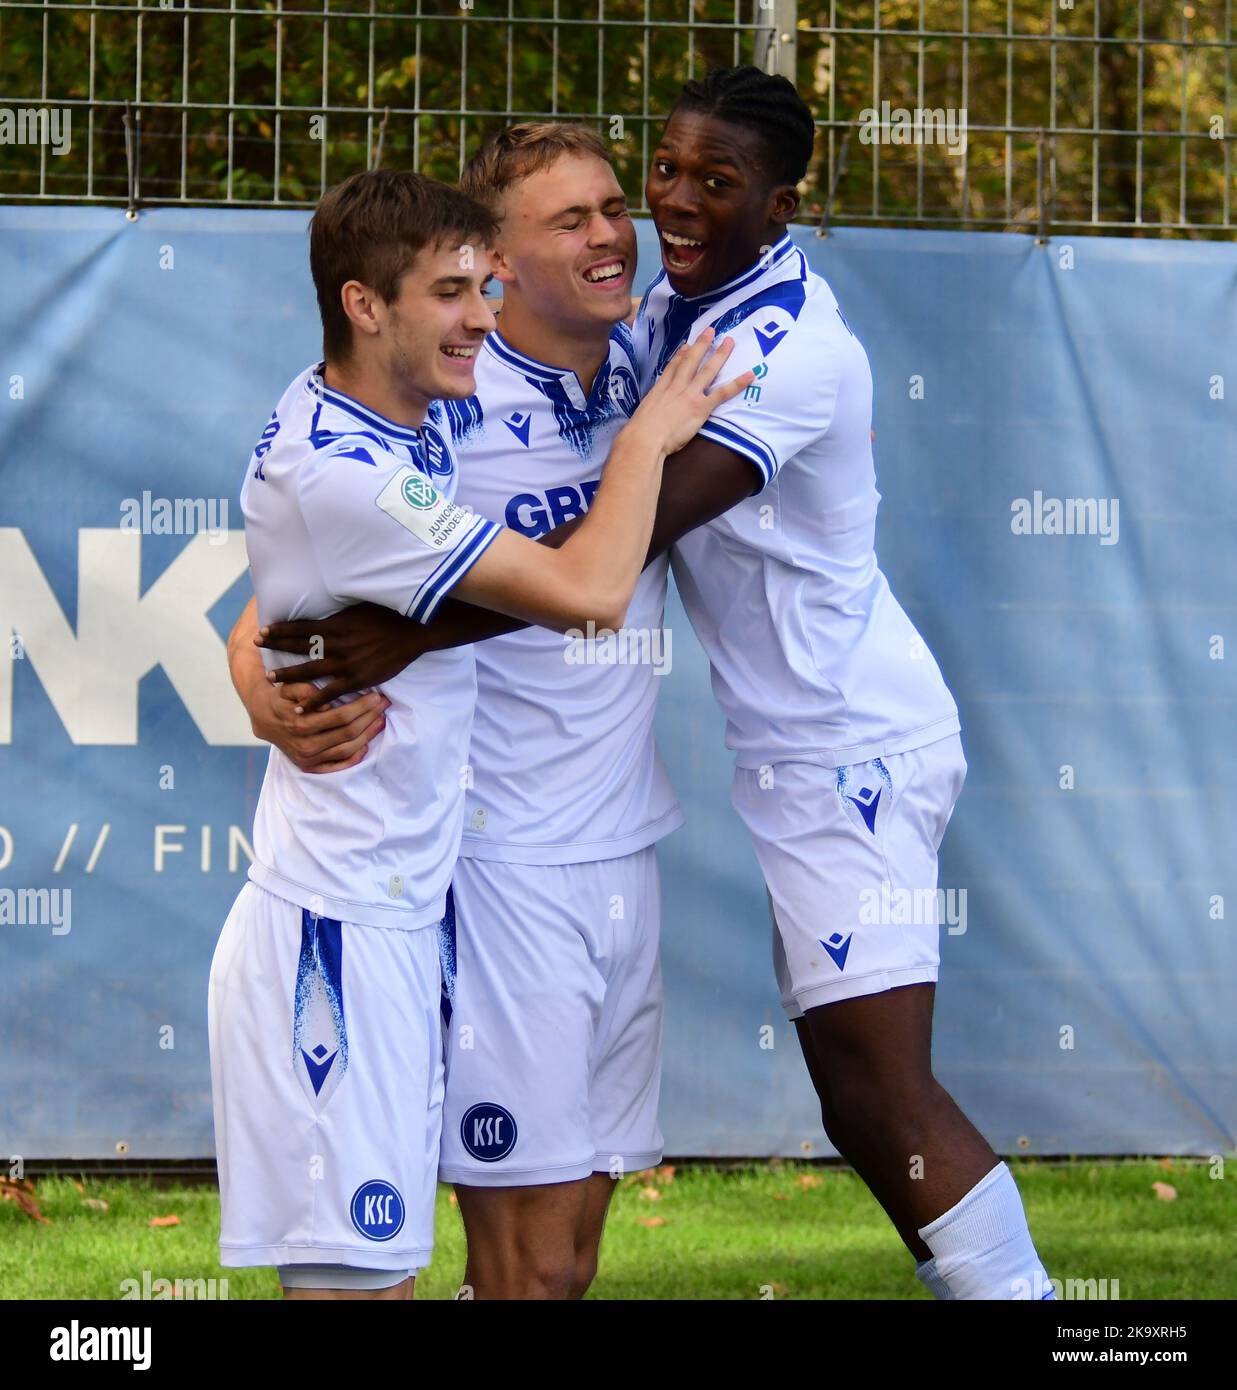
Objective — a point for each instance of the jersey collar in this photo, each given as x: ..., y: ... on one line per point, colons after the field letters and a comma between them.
x: 542, y: 371
x: 316, y: 386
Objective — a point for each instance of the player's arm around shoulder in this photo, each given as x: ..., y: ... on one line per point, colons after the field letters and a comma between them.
x: 592, y: 576
x: 328, y: 740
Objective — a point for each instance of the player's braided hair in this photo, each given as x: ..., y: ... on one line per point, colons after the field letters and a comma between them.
x: 765, y: 103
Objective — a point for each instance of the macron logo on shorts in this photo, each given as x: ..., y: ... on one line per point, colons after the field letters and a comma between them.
x: 488, y: 1132
x: 838, y: 947
x: 377, y: 1210
x: 866, y: 800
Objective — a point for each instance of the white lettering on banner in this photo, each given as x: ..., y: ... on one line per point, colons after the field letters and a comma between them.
x: 91, y: 677
x: 168, y: 840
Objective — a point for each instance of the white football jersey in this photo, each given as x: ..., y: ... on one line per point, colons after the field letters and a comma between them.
x: 564, y: 763
x: 812, y: 656
x: 341, y: 506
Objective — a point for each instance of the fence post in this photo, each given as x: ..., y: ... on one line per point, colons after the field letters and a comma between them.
x: 382, y: 133
x: 822, y: 229
x: 777, y: 36
x: 1041, y: 234
x: 131, y: 151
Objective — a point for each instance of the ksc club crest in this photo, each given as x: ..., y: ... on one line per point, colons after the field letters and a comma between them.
x: 434, y: 452
x: 488, y: 1132
x: 377, y: 1210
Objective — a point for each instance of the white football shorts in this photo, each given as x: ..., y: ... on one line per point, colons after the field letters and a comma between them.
x: 326, y: 1071
x: 554, y: 1030
x: 849, y: 858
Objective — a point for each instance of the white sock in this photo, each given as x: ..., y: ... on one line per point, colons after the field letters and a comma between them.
x: 981, y: 1246
x: 927, y: 1275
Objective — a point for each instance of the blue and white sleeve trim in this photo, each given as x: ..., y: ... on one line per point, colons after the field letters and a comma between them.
x: 451, y: 569
x: 743, y: 442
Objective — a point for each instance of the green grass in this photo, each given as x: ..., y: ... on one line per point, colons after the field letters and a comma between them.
x: 798, y: 1231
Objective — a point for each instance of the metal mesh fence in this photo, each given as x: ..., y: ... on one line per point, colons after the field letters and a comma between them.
x: 1051, y: 114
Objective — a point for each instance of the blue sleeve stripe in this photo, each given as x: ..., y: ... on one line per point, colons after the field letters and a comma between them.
x: 734, y: 437
x: 439, y: 572
x: 447, y: 575
x: 432, y: 592
x: 454, y: 564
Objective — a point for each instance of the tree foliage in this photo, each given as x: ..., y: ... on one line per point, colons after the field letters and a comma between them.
x: 270, y: 102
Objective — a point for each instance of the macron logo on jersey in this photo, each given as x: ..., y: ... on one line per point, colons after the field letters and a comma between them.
x: 520, y: 423
x: 769, y: 336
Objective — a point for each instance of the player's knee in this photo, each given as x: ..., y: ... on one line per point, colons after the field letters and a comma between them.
x: 868, y: 1088
x: 543, y: 1274
x: 550, y: 1276
x: 585, y: 1272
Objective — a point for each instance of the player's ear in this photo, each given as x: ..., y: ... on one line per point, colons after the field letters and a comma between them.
x: 501, y: 264
x: 359, y: 303
x: 783, y: 203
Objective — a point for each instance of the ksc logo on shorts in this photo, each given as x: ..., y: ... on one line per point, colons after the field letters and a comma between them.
x: 488, y: 1132
x: 377, y: 1210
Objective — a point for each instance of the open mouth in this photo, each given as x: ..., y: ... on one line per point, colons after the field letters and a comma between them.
x: 680, y: 252
x: 606, y: 273
x: 459, y: 352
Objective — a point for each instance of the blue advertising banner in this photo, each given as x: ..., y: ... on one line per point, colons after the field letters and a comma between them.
x: 1057, y: 458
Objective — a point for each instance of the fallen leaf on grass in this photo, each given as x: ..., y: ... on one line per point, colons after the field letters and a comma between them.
x: 650, y: 1194
x: 808, y: 1180
x: 94, y: 1203
x: 1166, y: 1164
x: 165, y: 1220
x: 664, y: 1175
x: 452, y: 1200
x: 1164, y: 1191
x: 81, y: 1186
x: 650, y: 1221
x: 781, y: 1196
x: 23, y: 1194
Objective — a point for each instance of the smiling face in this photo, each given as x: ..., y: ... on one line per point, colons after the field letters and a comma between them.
x: 567, y: 245
x: 715, y: 200
x: 431, y: 331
